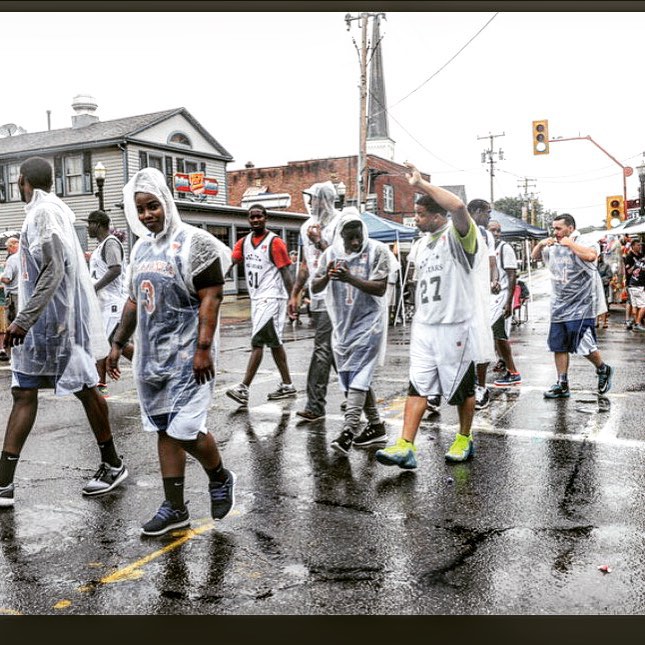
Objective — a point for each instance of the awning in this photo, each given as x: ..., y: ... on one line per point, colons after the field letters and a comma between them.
x: 387, y: 231
x: 515, y: 228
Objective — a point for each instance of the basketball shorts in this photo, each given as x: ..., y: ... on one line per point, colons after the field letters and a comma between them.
x: 441, y: 361
x: 573, y: 336
x: 111, y: 319
x: 637, y: 296
x: 502, y: 328
x: 268, y: 316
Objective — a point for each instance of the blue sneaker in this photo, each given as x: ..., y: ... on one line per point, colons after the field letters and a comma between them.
x: 604, y: 379
x: 401, y: 454
x: 166, y: 519
x: 558, y: 391
x: 222, y: 496
x: 6, y: 495
x: 508, y: 379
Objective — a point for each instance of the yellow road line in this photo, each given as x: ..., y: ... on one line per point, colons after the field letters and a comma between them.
x: 133, y: 571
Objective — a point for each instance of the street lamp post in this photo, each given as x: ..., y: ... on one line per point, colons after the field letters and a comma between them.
x: 641, y: 194
x: 99, y: 175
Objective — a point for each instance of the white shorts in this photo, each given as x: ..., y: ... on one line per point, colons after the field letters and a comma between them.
x: 637, y: 295
x: 264, y: 310
x: 440, y: 356
x: 111, y: 318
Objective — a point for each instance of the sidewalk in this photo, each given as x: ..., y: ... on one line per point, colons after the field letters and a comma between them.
x: 235, y: 309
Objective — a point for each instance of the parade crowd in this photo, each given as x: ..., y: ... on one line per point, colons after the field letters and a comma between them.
x: 66, y: 324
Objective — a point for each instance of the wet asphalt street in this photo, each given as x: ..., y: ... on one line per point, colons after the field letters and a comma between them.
x: 555, y: 491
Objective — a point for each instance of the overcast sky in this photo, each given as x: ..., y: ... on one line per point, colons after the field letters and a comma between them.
x: 279, y: 87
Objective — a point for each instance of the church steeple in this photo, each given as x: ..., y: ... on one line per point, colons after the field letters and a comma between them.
x: 378, y: 136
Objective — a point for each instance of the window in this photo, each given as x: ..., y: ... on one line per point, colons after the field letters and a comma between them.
x: 179, y: 138
x: 9, y: 183
x: 187, y: 166
x: 292, y: 240
x: 73, y: 174
x: 155, y: 162
x: 388, y: 198
x: 222, y: 233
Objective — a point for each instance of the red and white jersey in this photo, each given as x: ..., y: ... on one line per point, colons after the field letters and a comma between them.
x: 263, y: 258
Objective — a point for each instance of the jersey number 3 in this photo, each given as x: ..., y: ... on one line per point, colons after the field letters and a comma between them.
x: 436, y: 280
x: 252, y: 278
x: 148, y: 290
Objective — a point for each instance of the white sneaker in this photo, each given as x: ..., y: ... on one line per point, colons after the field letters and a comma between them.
x: 482, y: 397
x: 283, y: 392
x: 239, y: 393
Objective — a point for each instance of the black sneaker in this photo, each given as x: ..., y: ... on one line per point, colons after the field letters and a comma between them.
x: 166, y: 519
x: 604, y: 379
x: 371, y: 434
x: 6, y: 495
x: 343, y: 442
x: 105, y: 479
x: 4, y: 356
x: 222, y: 496
x: 558, y: 391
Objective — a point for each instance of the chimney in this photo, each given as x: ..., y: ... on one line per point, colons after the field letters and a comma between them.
x: 84, y: 106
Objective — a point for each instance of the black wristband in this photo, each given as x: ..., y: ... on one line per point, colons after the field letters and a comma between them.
x: 203, y: 345
x: 118, y: 344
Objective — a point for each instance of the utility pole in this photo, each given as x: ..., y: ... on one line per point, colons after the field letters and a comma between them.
x: 491, y: 159
x: 528, y: 199
x: 361, y: 175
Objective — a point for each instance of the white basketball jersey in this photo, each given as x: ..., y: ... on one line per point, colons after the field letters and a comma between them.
x: 263, y: 277
x: 111, y: 293
x: 445, y: 290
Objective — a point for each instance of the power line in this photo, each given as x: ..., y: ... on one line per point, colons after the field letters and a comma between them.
x: 446, y: 63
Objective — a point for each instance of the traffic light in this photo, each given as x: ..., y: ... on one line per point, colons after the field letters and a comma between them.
x: 615, y: 210
x: 541, y: 137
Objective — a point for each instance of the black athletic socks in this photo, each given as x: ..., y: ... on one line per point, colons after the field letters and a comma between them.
x: 217, y: 474
x: 8, y: 463
x: 108, y: 453
x: 174, y: 490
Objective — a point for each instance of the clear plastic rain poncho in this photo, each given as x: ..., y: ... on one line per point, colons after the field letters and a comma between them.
x: 481, y: 334
x: 576, y: 285
x: 68, y: 337
x: 359, y: 319
x: 161, y: 272
x: 321, y: 212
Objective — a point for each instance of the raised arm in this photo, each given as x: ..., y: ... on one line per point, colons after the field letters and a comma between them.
x: 452, y: 203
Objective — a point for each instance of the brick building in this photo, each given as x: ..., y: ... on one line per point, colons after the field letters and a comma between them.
x: 389, y: 194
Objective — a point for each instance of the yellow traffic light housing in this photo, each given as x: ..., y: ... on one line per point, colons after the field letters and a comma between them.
x: 615, y: 210
x: 541, y: 137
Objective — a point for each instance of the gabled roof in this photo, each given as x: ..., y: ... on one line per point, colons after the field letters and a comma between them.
x: 101, y: 131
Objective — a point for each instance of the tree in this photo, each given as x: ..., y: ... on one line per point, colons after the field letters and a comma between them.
x: 513, y: 206
x: 510, y: 206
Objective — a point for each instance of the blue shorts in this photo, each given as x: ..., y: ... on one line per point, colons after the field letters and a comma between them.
x: 34, y: 381
x: 573, y: 336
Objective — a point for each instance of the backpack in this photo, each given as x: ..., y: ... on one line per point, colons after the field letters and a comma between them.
x: 524, y: 290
